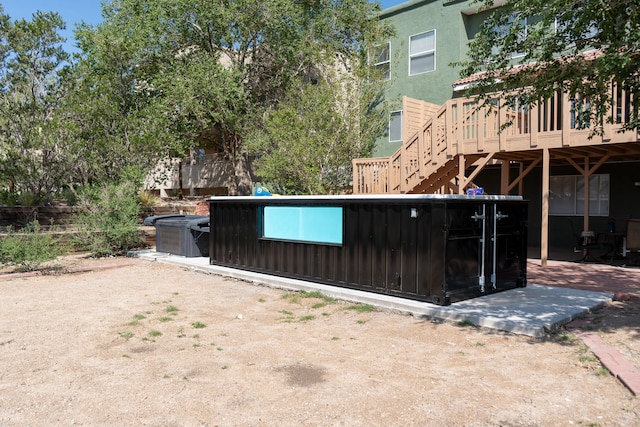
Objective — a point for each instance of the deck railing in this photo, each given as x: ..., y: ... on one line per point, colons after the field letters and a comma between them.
x: 462, y: 126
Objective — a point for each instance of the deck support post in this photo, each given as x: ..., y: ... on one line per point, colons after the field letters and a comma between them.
x: 587, y: 178
x: 504, y: 177
x: 544, y: 226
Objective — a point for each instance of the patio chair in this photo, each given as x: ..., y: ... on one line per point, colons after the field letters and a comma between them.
x: 631, y: 243
x: 586, y: 241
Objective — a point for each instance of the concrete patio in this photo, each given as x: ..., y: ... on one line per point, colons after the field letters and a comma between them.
x: 532, y: 311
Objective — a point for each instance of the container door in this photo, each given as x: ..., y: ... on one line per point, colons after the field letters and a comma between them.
x: 465, y: 248
x: 508, y: 246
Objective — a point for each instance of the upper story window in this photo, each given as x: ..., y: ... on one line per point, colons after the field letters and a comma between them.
x: 422, y: 53
x: 395, y: 126
x: 565, y: 24
x: 503, y: 30
x: 380, y: 59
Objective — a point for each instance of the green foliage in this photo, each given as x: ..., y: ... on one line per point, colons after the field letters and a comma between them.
x: 465, y: 323
x: 108, y: 223
x: 27, y: 198
x: 362, y: 308
x: 147, y: 199
x: 126, y: 335
x: 35, y: 153
x: 310, y: 140
x: 162, y: 77
x: 69, y: 196
x: 295, y: 297
x: 8, y: 198
x: 156, y: 79
x: 552, y: 46
x: 29, y: 248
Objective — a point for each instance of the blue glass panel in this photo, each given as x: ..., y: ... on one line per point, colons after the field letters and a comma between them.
x: 314, y: 224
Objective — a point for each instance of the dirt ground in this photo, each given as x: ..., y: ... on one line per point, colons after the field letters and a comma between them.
x: 157, y: 345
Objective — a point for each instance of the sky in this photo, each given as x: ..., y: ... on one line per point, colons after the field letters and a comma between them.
x: 72, y: 11
x: 76, y: 11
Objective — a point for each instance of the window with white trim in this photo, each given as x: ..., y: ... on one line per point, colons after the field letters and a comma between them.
x: 395, y: 126
x: 566, y: 195
x: 422, y: 53
x: 381, y: 59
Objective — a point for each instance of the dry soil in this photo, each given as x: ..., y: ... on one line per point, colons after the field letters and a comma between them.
x: 157, y: 345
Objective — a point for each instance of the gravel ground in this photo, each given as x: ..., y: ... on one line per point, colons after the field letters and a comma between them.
x: 136, y: 343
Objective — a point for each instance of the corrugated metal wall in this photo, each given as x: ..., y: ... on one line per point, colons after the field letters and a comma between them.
x: 395, y: 247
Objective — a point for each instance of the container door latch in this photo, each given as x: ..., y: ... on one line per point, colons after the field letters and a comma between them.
x: 477, y: 217
x: 494, y: 240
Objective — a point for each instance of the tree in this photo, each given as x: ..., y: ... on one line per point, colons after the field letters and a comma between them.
x: 35, y: 158
x: 117, y: 113
x: 208, y: 73
x: 580, y: 47
x: 310, y: 139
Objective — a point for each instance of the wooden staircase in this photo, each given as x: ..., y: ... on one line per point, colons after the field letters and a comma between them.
x: 442, y: 144
x: 427, y: 161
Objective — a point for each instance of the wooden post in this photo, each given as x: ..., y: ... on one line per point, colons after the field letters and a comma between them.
x: 462, y: 180
x: 587, y: 178
x: 502, y: 120
x: 520, y: 187
x: 355, y: 183
x: 565, y: 104
x: 504, y: 177
x: 544, y: 228
x: 533, y: 125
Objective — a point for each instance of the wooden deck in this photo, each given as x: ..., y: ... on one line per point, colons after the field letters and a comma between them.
x: 445, y: 147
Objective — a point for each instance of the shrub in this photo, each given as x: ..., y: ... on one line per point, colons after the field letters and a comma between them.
x: 8, y: 198
x: 70, y: 196
x: 147, y: 198
x: 29, y: 247
x: 27, y: 198
x: 108, y: 222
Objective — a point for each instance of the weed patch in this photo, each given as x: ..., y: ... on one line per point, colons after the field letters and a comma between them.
x: 361, y: 308
x: 465, y: 324
x: 296, y: 297
x: 27, y: 249
x: 126, y: 335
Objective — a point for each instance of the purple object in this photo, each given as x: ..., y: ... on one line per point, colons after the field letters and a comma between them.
x: 478, y: 191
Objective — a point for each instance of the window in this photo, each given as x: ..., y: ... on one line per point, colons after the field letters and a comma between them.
x: 310, y: 224
x: 395, y: 126
x: 566, y: 195
x: 422, y: 53
x: 503, y: 30
x: 381, y: 60
x: 566, y: 23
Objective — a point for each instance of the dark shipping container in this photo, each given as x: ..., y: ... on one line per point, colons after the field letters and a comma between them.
x: 435, y: 248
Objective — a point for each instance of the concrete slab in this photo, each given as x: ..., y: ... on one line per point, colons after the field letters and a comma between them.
x: 532, y: 311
